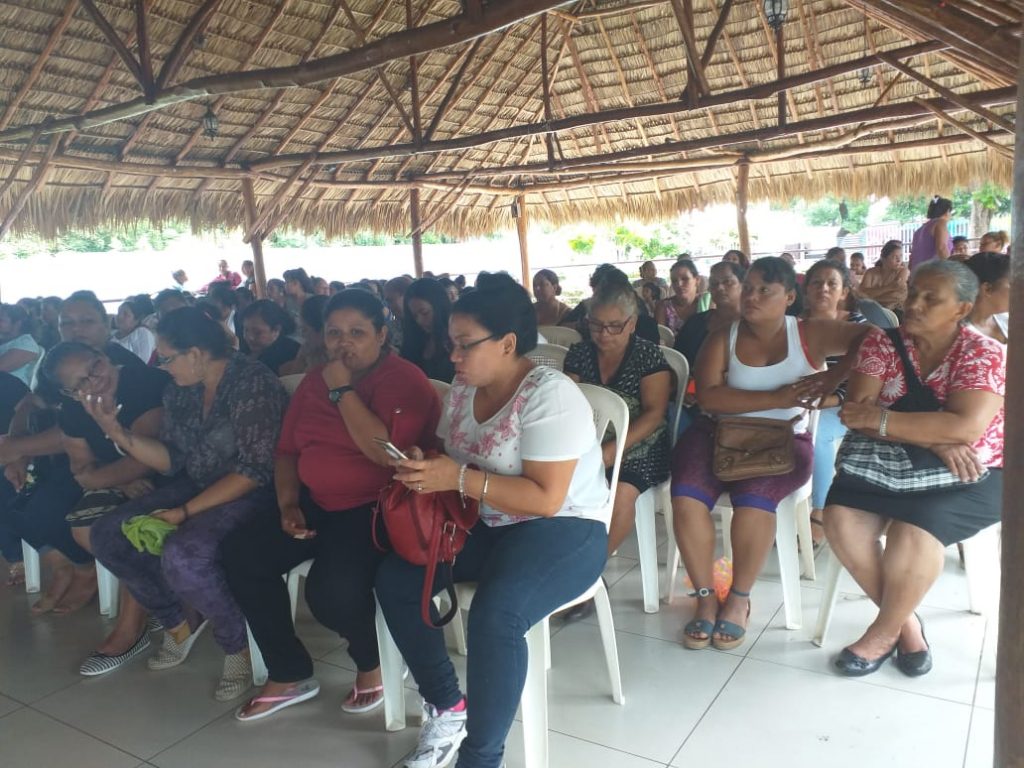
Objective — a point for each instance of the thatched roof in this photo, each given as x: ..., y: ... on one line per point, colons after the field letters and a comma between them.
x: 637, y: 131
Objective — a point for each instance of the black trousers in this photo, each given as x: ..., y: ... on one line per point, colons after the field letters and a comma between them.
x: 339, y: 588
x: 40, y: 520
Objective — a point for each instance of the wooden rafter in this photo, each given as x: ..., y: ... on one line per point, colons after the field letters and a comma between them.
x: 964, y: 128
x: 183, y: 45
x: 37, y: 68
x: 145, y: 51
x: 19, y: 163
x: 116, y: 43
x: 256, y: 228
x: 414, y: 82
x: 38, y: 179
x: 683, y: 10
x: 398, y: 45
x: 716, y: 33
x: 446, y: 100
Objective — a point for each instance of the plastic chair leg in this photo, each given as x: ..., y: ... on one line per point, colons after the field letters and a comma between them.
x: 833, y: 571
x: 981, y: 561
x: 33, y: 570
x: 534, y: 703
x: 259, y: 666
x: 789, y: 562
x: 648, y: 545
x: 292, y: 580
x: 726, y: 514
x: 611, y: 648
x: 108, y: 588
x: 671, y: 548
x: 806, y: 540
x: 391, y: 676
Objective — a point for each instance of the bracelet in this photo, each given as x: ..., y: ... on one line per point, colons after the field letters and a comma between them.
x: 462, y: 483
x: 883, y: 423
x: 487, y: 480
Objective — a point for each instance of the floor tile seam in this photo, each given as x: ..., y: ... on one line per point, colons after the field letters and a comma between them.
x: 608, y: 747
x: 190, y: 734
x: 80, y: 730
x: 16, y: 709
x: 862, y: 681
x: 981, y: 664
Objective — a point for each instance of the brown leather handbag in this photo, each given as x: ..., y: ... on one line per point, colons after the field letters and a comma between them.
x: 747, y: 447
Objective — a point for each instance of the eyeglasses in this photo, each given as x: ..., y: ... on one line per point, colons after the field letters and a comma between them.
x: 466, y: 347
x: 94, y: 369
x: 612, y: 329
x: 163, y: 362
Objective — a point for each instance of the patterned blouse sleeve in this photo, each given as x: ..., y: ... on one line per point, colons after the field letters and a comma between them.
x: 981, y: 367
x: 877, y: 357
x: 574, y: 359
x: 256, y: 414
x: 652, y: 360
x: 173, y: 411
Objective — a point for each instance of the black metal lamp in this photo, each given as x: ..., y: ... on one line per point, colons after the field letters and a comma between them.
x: 211, y: 125
x: 776, y: 12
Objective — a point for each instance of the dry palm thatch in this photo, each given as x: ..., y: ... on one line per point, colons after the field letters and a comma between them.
x: 336, y: 110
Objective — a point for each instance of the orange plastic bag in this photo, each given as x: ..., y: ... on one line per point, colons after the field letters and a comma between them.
x: 722, y: 578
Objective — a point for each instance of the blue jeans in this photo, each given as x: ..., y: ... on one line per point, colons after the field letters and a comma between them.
x: 826, y: 444
x: 524, y: 572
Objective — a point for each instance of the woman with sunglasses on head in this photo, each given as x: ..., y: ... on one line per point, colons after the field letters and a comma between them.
x: 107, y: 477
x: 541, y: 540
x: 220, y: 426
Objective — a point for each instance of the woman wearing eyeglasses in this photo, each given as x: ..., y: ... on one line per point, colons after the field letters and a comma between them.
x: 635, y: 369
x: 221, y: 423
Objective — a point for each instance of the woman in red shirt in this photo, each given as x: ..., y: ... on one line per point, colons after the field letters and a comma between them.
x: 328, y: 474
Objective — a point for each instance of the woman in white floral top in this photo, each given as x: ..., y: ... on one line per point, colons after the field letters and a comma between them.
x: 542, y: 537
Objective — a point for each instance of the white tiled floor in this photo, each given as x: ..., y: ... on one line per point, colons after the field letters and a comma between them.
x: 771, y: 702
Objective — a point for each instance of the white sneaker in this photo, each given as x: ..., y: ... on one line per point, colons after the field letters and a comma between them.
x: 440, y: 737
x: 171, y: 653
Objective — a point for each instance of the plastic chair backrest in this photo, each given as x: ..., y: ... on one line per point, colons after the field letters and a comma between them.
x: 442, y: 388
x: 893, y: 317
x: 668, y: 338
x: 681, y: 368
x: 556, y: 334
x: 291, y: 382
x: 551, y: 355
x: 609, y: 408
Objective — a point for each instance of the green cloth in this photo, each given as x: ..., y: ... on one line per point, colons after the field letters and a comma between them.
x: 147, y: 534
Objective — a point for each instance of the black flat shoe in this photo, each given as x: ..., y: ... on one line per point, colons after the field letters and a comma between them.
x: 850, y: 664
x: 916, y: 663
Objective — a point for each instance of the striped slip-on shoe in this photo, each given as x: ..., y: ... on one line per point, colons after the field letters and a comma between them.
x: 101, y: 663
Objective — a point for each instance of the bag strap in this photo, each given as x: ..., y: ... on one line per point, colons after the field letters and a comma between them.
x: 427, y: 595
x: 914, y: 383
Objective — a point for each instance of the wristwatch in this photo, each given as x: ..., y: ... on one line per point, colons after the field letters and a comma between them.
x: 335, y: 394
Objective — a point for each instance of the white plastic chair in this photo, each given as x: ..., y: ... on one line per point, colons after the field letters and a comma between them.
x: 551, y: 355
x: 982, y: 553
x: 667, y: 336
x: 107, y: 584
x: 661, y: 494
x: 291, y: 382
x: 608, y: 408
x: 259, y: 666
x: 892, y: 316
x: 557, y: 334
x: 792, y: 528
x: 441, y: 387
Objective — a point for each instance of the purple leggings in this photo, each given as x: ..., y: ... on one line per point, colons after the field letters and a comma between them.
x: 189, y: 570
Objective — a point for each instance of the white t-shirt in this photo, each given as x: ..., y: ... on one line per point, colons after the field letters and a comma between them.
x: 26, y: 343
x: 141, y: 342
x: 547, y: 419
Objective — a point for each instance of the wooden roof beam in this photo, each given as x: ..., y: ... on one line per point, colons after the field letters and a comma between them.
x: 37, y: 68
x: 118, y: 45
x: 716, y: 32
x: 603, y: 13
x: 145, y: 52
x: 761, y: 91
x: 964, y: 128
x: 946, y: 93
x: 398, y: 45
x: 38, y: 179
x: 683, y: 10
x: 183, y: 45
x: 446, y: 100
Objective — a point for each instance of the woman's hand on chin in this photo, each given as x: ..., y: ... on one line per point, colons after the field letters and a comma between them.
x: 336, y: 374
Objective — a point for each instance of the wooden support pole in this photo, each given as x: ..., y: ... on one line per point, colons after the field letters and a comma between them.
x: 256, y: 242
x: 1009, y: 736
x: 742, y: 193
x: 417, y: 234
x: 946, y: 93
x: 522, y: 225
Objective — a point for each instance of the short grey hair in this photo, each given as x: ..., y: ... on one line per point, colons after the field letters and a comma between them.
x: 964, y: 281
x: 617, y: 295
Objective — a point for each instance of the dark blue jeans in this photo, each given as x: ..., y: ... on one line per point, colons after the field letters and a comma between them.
x: 524, y: 572
x: 41, y: 520
x: 10, y: 541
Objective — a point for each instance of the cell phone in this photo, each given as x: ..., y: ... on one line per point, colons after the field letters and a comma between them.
x: 391, y: 449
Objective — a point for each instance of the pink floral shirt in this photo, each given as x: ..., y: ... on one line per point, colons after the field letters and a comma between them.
x: 973, y: 363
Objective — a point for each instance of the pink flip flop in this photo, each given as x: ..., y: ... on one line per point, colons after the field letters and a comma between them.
x: 303, y: 692
x: 349, y: 705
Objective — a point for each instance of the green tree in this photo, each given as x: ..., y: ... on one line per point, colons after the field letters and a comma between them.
x: 582, y: 244
x: 828, y: 212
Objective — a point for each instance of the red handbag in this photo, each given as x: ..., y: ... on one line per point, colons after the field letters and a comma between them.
x: 427, y: 529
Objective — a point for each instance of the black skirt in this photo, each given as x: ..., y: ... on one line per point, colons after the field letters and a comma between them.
x: 950, y: 515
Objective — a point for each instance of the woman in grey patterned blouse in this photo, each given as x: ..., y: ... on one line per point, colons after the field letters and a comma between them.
x: 222, y: 416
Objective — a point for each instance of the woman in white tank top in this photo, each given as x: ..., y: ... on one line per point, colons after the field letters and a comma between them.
x: 766, y: 365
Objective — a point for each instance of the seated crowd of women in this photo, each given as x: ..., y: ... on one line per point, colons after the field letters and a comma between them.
x: 240, y: 485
